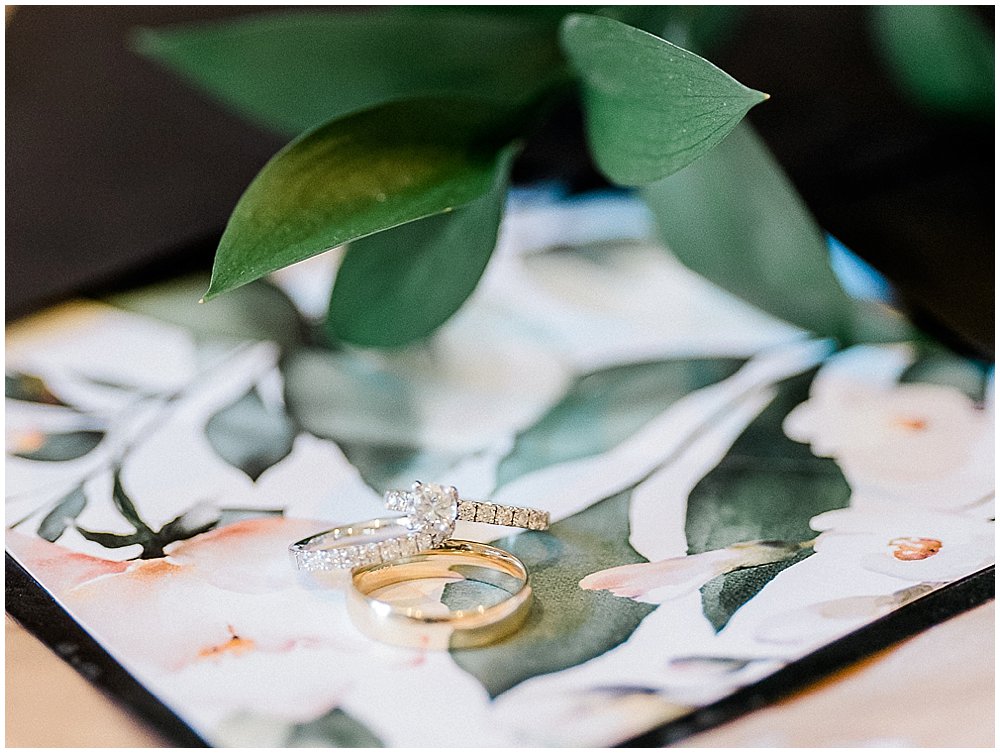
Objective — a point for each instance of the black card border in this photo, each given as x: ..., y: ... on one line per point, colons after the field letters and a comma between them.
x: 34, y: 608
x: 41, y: 615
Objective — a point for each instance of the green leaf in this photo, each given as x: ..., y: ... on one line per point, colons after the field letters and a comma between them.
x: 359, y: 175
x: 335, y: 729
x: 198, y: 519
x: 371, y: 412
x: 335, y: 396
x: 568, y: 625
x: 651, y: 107
x: 125, y: 505
x: 395, y: 465
x: 722, y: 596
x: 941, y: 55
x: 767, y: 487
x: 114, y: 540
x: 230, y: 515
x: 250, y: 435
x: 65, y: 512
x: 63, y: 446
x: 941, y: 367
x: 258, y: 311
x: 735, y: 218
x: 291, y: 71
x: 606, y: 407
x: 29, y: 388
x: 400, y: 285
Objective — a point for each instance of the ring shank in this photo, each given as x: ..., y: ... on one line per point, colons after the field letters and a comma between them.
x: 335, y: 536
x: 344, y: 547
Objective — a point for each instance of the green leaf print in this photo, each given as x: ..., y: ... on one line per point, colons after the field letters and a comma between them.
x: 568, y: 625
x: 251, y: 435
x: 941, y: 367
x: 605, y: 407
x: 767, y: 487
x: 334, y: 729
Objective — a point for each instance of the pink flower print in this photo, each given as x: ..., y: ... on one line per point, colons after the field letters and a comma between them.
x: 656, y: 582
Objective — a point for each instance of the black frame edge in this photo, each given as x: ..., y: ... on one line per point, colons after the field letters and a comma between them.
x: 42, y: 616
x: 900, y: 624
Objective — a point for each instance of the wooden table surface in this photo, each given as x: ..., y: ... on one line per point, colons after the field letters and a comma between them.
x: 933, y: 690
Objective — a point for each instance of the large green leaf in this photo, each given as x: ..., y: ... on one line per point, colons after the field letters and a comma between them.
x: 735, y: 218
x: 767, y: 487
x: 402, y: 284
x: 568, y: 624
x: 651, y: 107
x: 942, y: 55
x: 359, y: 175
x: 292, y: 71
x: 606, y: 407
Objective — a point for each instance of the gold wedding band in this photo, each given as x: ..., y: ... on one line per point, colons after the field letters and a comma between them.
x: 417, y: 627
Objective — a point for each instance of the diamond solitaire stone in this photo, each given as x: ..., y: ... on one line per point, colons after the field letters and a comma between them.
x: 433, y: 508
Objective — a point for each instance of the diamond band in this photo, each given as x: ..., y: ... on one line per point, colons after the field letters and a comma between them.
x: 436, y: 505
x: 429, y: 513
x: 338, y: 548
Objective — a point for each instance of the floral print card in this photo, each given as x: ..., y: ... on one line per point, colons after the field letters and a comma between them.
x: 729, y: 494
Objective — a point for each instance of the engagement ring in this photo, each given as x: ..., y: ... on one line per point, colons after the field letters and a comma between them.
x: 429, y: 513
x: 436, y: 507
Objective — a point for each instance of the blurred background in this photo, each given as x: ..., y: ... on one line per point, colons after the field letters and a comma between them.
x: 119, y: 172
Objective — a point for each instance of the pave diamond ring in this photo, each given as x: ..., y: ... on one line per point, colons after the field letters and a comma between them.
x: 435, y: 507
x: 370, y: 542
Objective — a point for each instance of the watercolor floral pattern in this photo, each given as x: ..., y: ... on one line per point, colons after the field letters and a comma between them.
x: 158, y: 466
x: 655, y: 582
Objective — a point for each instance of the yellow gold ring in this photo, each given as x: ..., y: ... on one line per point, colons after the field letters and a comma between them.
x: 433, y: 625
